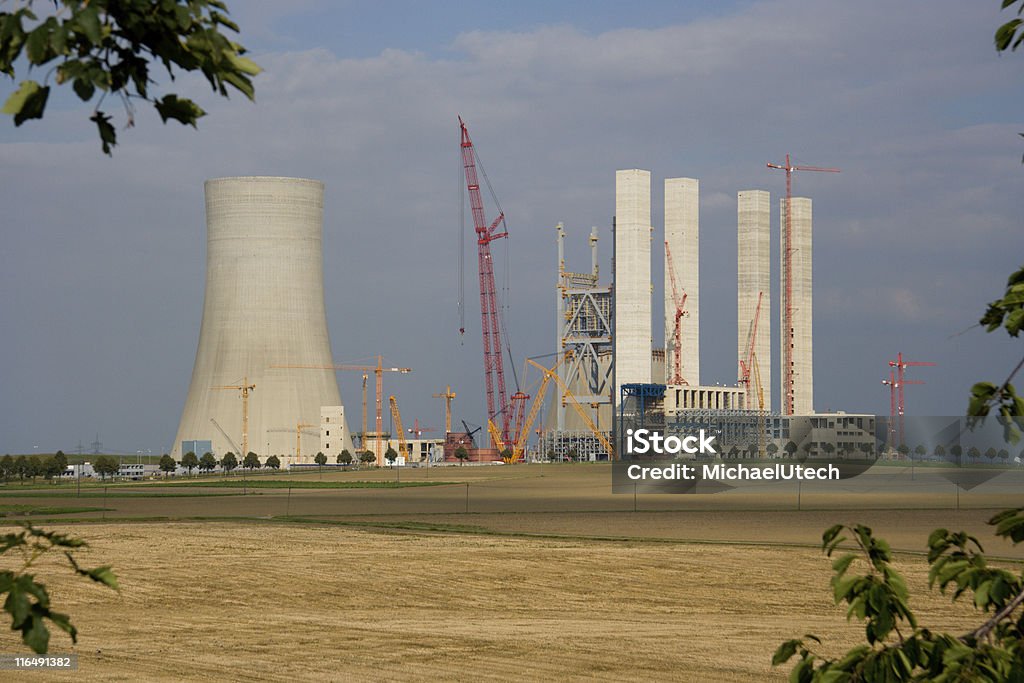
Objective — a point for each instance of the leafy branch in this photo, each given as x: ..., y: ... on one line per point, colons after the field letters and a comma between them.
x: 108, y: 46
x: 28, y: 601
x: 994, y: 651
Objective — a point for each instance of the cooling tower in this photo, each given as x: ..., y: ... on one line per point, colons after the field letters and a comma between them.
x: 632, y: 278
x: 682, y: 233
x: 753, y: 221
x: 801, y: 303
x: 264, y: 306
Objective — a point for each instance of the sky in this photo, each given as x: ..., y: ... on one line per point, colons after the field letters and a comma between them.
x: 102, y: 260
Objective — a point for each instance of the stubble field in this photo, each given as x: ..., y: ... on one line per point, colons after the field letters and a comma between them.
x: 548, y: 576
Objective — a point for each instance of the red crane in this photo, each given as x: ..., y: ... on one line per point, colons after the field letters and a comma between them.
x: 900, y: 365
x: 747, y: 363
x: 677, y: 330
x: 787, y: 276
x: 895, y: 407
x: 494, y: 368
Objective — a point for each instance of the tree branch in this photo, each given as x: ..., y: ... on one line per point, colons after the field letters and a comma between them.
x: 986, y: 628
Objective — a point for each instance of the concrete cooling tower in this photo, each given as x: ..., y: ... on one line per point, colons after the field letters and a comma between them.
x: 264, y: 307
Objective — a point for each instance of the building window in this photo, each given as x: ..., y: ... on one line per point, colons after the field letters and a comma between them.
x: 327, y: 446
x: 327, y: 419
x: 328, y: 432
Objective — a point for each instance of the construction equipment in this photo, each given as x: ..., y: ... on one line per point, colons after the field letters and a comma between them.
x: 403, y: 446
x: 362, y: 434
x: 245, y: 388
x: 745, y: 363
x: 787, y: 278
x: 231, y: 441
x: 762, y: 418
x: 679, y: 300
x: 566, y: 394
x: 377, y: 370
x: 490, y: 316
x: 495, y: 433
x: 299, y: 427
x: 448, y: 395
x: 896, y: 388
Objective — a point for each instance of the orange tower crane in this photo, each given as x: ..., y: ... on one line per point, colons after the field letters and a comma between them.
x: 900, y: 365
x: 677, y: 330
x: 787, y: 277
x: 448, y: 395
x: 245, y: 388
x: 377, y: 370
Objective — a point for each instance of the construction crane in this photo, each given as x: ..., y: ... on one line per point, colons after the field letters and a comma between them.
x: 900, y: 366
x: 566, y: 394
x: 377, y: 370
x: 495, y: 433
x: 231, y: 442
x: 299, y: 426
x: 746, y: 363
x: 362, y: 434
x: 679, y: 301
x: 417, y: 430
x: 490, y: 316
x: 762, y: 418
x: 520, y: 445
x: 893, y: 403
x: 403, y: 446
x: 787, y: 279
x: 245, y: 388
x: 448, y: 395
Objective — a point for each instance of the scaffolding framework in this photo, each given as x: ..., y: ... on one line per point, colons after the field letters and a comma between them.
x: 585, y: 316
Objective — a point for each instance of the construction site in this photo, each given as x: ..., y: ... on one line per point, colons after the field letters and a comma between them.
x: 264, y: 377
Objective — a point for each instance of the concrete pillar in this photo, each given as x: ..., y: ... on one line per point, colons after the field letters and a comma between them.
x: 803, y: 319
x: 632, y: 278
x: 753, y: 210
x: 682, y: 232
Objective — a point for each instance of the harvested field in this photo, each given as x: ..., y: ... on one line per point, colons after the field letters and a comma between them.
x: 547, y: 576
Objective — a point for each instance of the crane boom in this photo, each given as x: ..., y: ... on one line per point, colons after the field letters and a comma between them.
x: 490, y: 316
x: 397, y: 417
x: 677, y: 330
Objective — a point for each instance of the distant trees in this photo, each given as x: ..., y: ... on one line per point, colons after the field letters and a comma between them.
x: 273, y: 462
x: 320, y: 460
x: 1004, y: 455
x: 228, y: 462
x: 367, y: 457
x: 208, y: 463
x: 956, y: 450
x: 903, y: 449
x: 828, y: 447
x: 973, y: 453
x: 790, y: 448
x: 940, y: 451
x: 167, y: 464
x: 20, y: 467
x: 251, y: 462
x: 462, y: 455
x: 104, y: 465
x: 391, y: 455
x: 345, y: 458
x: 7, y: 467
x: 772, y: 449
x: 189, y: 461
x: 60, y: 463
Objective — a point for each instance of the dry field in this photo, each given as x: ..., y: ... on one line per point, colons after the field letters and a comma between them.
x: 547, y: 577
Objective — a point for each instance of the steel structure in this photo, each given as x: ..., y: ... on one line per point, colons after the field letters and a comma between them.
x: 490, y: 315
x: 448, y: 395
x: 583, y: 330
x: 788, y: 336
x: 397, y: 417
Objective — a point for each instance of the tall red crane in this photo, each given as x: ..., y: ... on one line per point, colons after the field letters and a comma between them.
x: 895, y: 406
x: 677, y: 331
x: 787, y: 276
x: 490, y: 316
x: 747, y: 363
x: 900, y: 365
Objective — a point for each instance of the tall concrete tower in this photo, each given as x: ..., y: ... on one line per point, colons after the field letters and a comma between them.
x: 753, y: 225
x: 264, y: 306
x: 803, y: 319
x: 632, y: 278
x: 682, y: 233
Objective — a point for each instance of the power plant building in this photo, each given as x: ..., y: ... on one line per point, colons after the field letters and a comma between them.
x: 263, y: 307
x: 753, y: 284
x: 682, y: 235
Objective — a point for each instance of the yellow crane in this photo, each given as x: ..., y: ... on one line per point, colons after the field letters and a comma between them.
x: 299, y: 426
x: 551, y: 374
x: 499, y: 443
x: 403, y: 446
x: 362, y: 434
x: 448, y: 395
x: 377, y: 370
x: 245, y: 388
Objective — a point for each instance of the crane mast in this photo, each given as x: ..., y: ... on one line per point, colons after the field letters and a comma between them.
x: 494, y: 368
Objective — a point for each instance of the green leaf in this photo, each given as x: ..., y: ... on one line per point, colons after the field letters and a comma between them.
x: 84, y: 89
x: 64, y: 622
x: 88, y: 22
x: 17, y: 605
x: 785, y: 651
x: 104, y: 575
x: 36, y: 636
x: 108, y: 136
x: 180, y: 109
x: 244, y: 64
x: 27, y: 102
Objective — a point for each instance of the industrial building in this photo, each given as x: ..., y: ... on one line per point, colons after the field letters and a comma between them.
x: 263, y: 307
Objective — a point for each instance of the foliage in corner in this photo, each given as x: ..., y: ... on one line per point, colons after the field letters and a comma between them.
x: 28, y: 601
x: 108, y: 47
x: 897, y: 648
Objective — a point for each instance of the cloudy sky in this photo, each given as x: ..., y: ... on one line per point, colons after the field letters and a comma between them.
x: 102, y: 259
